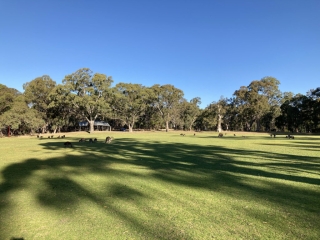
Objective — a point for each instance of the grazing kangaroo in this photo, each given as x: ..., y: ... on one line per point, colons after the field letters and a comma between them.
x: 182, y: 134
x: 220, y: 135
x: 108, y: 139
x: 234, y: 135
x: 82, y: 140
x: 68, y: 144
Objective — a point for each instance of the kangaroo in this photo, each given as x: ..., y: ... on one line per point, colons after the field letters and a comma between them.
x: 68, y: 144
x: 108, y: 139
x: 220, y: 135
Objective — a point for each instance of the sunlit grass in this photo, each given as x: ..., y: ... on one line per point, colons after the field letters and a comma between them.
x: 157, y: 185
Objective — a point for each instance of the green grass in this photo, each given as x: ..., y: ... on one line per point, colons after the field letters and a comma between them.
x: 157, y: 185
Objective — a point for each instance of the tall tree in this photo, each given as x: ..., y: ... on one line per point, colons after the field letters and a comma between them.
x: 166, y: 99
x: 191, y: 111
x: 217, y: 110
x: 129, y: 102
x: 89, y: 94
x: 258, y: 99
x: 60, y: 108
x: 36, y: 94
x: 300, y: 113
x: 7, y: 96
x: 21, y: 118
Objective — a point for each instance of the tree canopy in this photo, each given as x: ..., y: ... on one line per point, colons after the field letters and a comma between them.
x: 87, y: 96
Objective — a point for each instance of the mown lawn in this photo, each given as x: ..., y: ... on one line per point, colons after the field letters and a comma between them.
x: 157, y: 185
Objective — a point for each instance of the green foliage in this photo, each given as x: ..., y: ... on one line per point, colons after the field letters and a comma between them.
x: 190, y: 112
x: 300, y: 113
x: 37, y: 91
x: 60, y: 108
x: 89, y: 94
x: 166, y: 99
x: 7, y: 96
x: 21, y: 118
x: 129, y: 102
x: 259, y: 99
x: 260, y: 106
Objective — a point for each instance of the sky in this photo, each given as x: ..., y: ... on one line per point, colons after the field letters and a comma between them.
x: 206, y: 48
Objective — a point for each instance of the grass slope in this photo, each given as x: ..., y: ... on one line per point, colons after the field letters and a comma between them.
x: 157, y: 185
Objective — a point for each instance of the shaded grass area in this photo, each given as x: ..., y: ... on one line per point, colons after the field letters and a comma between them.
x: 161, y: 186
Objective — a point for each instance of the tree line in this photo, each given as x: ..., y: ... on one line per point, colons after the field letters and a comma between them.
x: 86, y: 96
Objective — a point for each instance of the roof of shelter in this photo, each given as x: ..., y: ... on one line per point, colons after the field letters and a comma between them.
x: 96, y: 123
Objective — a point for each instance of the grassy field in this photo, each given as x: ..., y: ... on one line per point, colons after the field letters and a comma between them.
x: 157, y: 185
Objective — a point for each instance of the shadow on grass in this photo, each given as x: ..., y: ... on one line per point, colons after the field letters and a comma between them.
x: 228, y: 171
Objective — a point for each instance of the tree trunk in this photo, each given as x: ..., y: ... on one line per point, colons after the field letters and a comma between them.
x: 130, y: 127
x: 167, y: 126
x: 219, y: 123
x: 258, y: 125
x: 91, y: 123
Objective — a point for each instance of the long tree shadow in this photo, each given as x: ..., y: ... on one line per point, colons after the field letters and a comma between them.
x: 218, y: 169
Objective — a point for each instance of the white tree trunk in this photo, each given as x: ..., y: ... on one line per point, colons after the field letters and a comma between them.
x: 91, y: 123
x: 167, y: 126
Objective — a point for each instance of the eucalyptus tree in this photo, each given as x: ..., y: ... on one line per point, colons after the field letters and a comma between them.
x: 166, y: 99
x: 300, y: 113
x: 20, y: 118
x: 207, y: 119
x: 89, y: 94
x: 151, y: 119
x: 36, y: 95
x: 291, y: 115
x: 217, y: 110
x: 258, y: 99
x: 315, y: 97
x: 60, y: 108
x: 129, y: 102
x: 7, y: 96
x: 190, y: 112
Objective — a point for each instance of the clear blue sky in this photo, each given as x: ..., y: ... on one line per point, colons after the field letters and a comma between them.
x: 207, y: 48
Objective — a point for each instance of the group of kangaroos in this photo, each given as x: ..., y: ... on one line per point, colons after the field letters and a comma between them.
x: 69, y: 144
